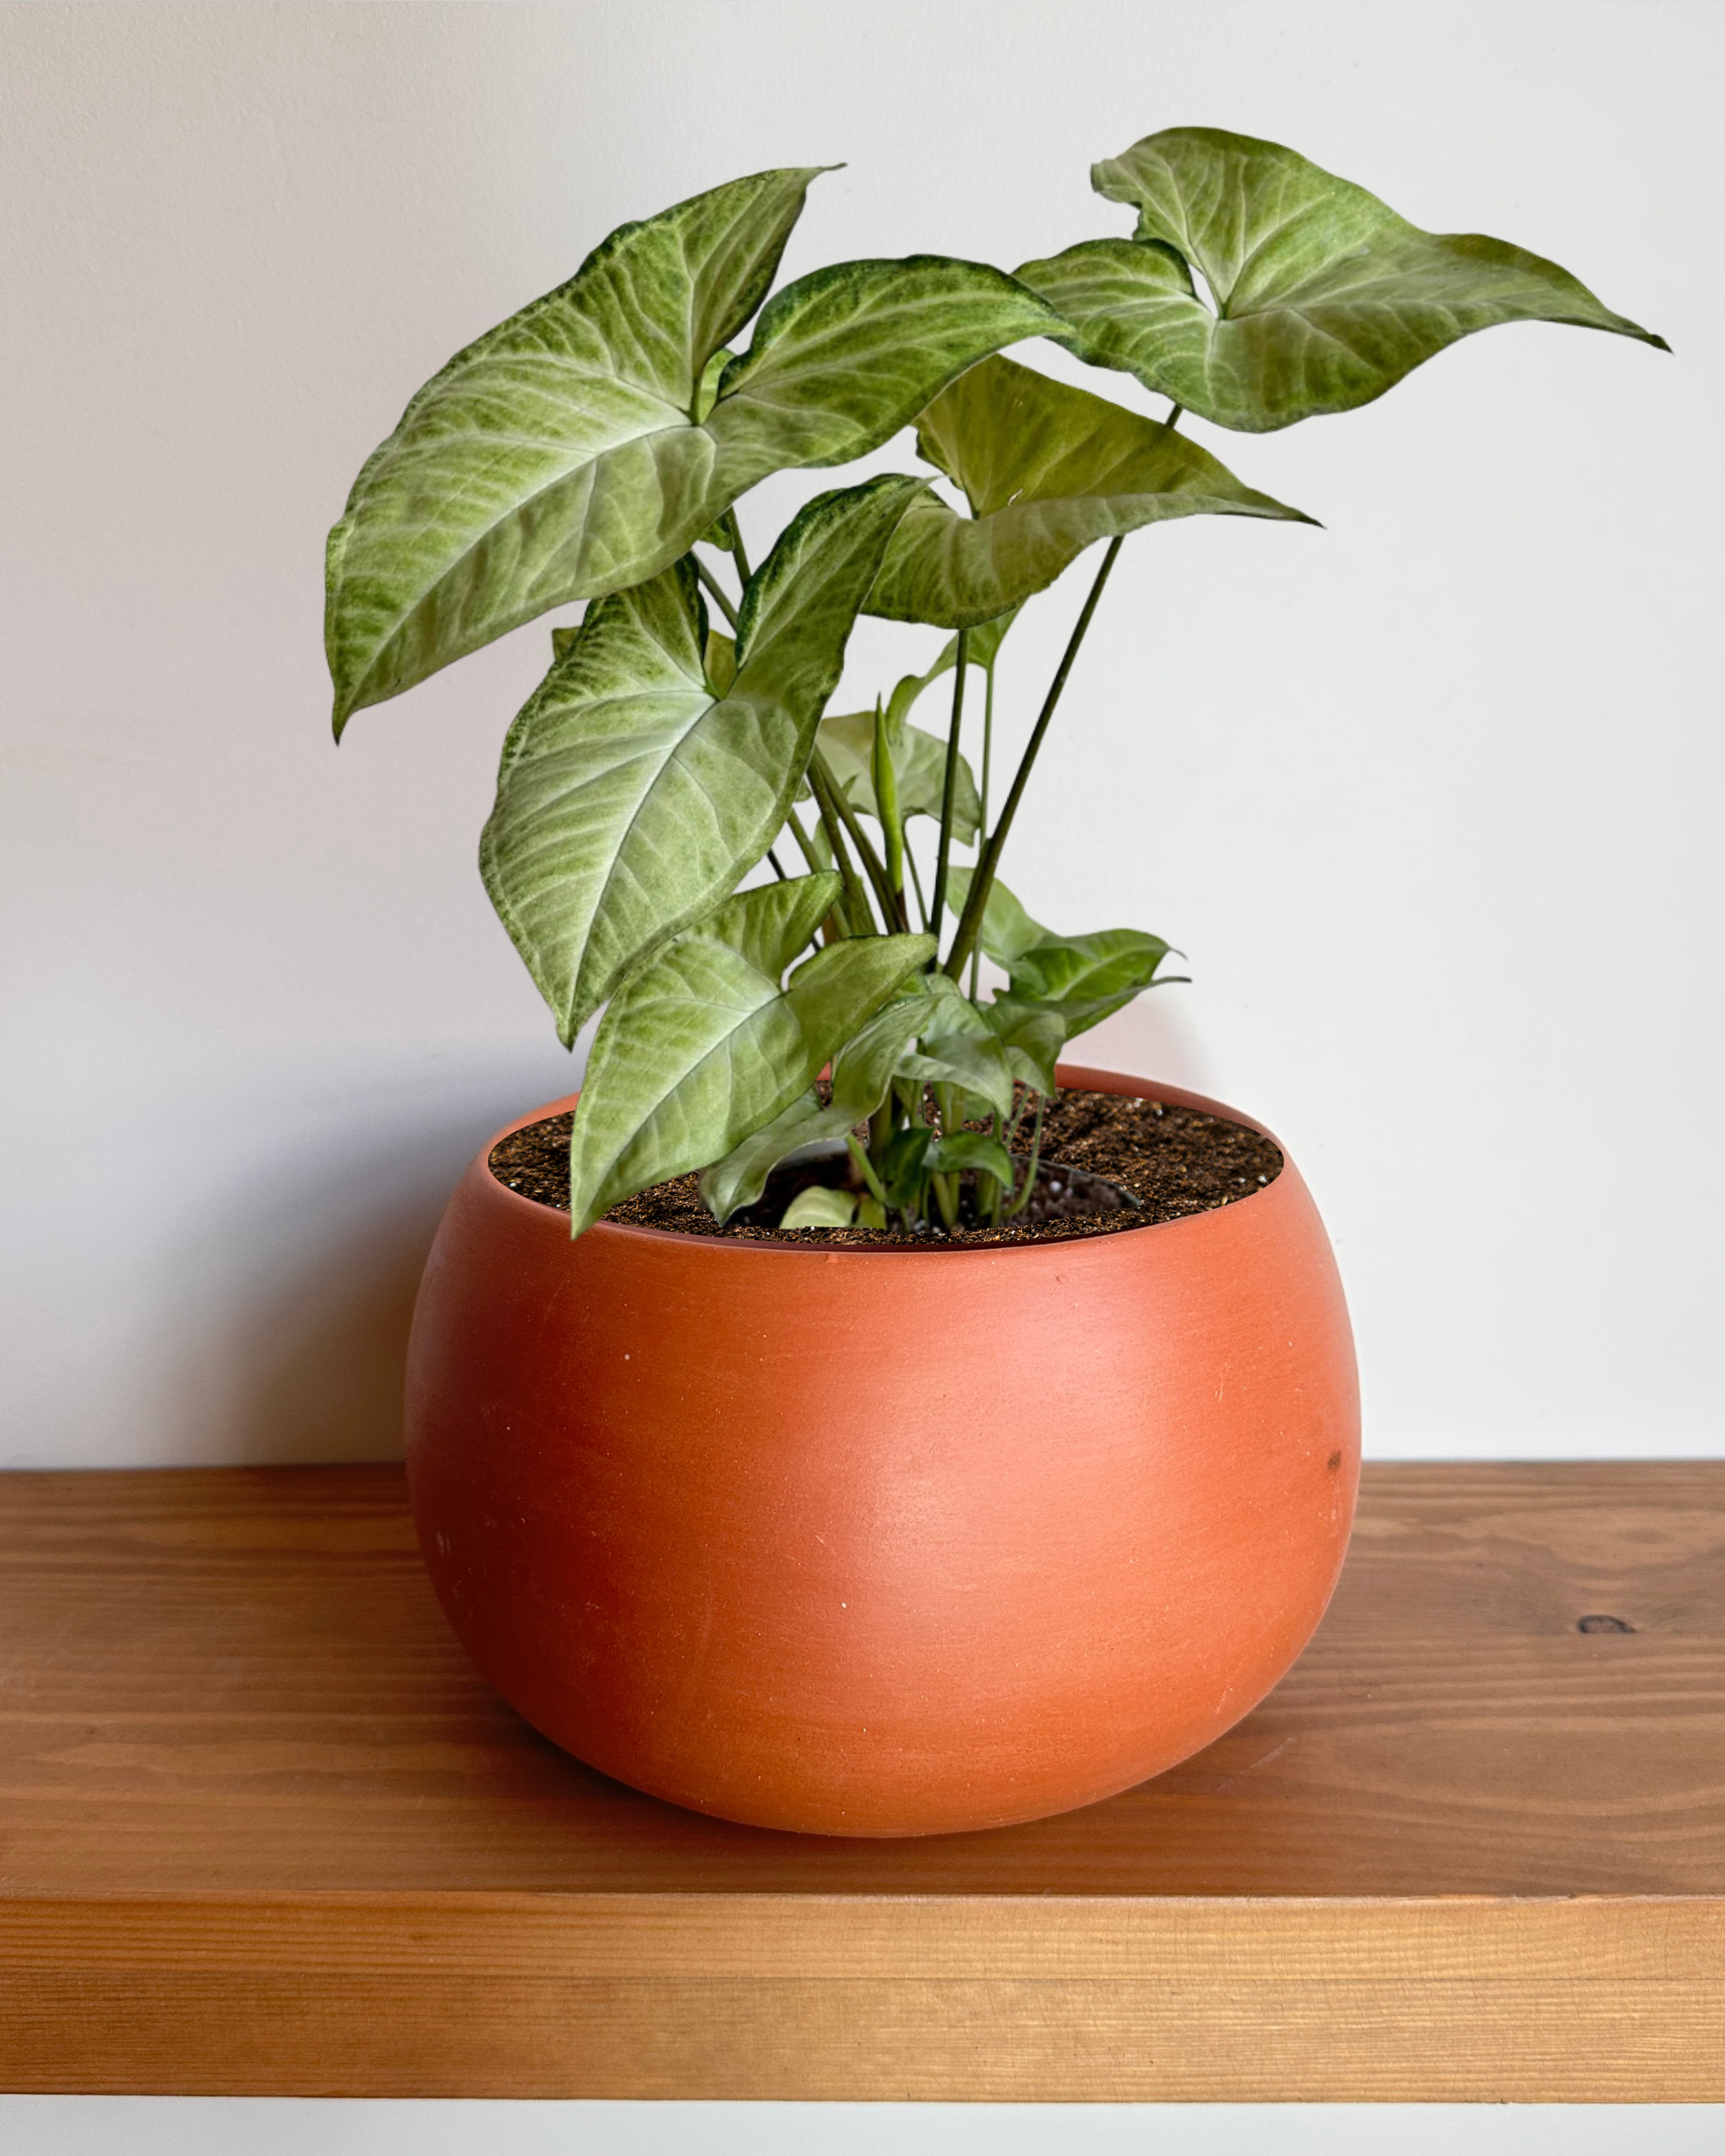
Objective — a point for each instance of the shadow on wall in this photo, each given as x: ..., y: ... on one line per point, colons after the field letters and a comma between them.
x: 302, y: 1350
x: 326, y: 1356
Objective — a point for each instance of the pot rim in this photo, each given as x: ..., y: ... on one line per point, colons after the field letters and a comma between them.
x: 1081, y: 1076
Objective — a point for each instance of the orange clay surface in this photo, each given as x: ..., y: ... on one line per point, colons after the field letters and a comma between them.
x: 883, y: 1541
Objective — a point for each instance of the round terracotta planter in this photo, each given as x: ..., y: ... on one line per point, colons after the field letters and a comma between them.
x: 883, y: 1541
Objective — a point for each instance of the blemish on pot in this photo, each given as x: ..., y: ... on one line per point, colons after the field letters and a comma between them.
x: 1333, y: 1462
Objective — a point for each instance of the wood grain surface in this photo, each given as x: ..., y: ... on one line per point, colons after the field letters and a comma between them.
x: 262, y: 1830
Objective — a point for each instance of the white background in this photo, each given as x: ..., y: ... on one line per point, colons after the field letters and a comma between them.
x: 1429, y: 797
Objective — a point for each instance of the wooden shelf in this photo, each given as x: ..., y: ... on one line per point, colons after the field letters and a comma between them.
x: 264, y: 1831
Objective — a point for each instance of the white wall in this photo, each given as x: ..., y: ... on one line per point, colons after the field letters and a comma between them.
x: 1429, y: 797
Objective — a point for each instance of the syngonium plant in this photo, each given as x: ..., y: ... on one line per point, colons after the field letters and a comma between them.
x: 594, y: 447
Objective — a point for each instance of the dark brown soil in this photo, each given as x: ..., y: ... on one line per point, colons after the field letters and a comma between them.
x: 1172, y: 1160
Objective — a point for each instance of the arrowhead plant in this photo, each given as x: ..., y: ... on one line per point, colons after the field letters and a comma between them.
x: 597, y: 447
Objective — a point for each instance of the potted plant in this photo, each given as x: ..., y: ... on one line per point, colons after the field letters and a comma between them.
x: 948, y: 1486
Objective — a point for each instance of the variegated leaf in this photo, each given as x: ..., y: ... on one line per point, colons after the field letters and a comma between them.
x: 1047, y: 471
x: 1318, y: 298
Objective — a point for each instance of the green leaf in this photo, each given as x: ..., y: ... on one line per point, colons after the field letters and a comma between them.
x: 1084, y: 980
x: 1323, y: 297
x: 974, y: 1150
x: 1078, y: 979
x: 1033, y: 1036
x: 862, y: 1071
x: 1046, y: 470
x: 846, y: 357
x: 707, y: 395
x: 554, y: 458
x: 919, y: 761
x: 701, y: 1045
x: 819, y: 1206
x: 570, y: 451
x: 959, y: 1047
x: 902, y: 1170
x: 720, y: 661
x: 632, y: 797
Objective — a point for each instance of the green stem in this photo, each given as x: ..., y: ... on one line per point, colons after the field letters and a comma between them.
x: 817, y: 866
x: 949, y: 789
x: 814, y: 866
x: 877, y: 1189
x: 983, y: 881
x: 1023, y: 1198
x: 987, y: 741
x: 721, y: 596
x: 856, y: 899
x: 828, y: 789
x: 887, y: 805
x: 744, y: 571
x: 982, y: 804
x: 916, y: 884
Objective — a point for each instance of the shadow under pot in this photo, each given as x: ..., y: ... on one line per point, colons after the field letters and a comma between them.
x: 872, y: 1540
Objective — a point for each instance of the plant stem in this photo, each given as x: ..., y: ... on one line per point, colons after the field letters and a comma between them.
x: 987, y: 742
x: 982, y: 804
x: 856, y: 899
x: 916, y: 883
x: 886, y: 807
x: 865, y: 1166
x: 817, y: 866
x: 949, y: 789
x: 744, y: 571
x: 827, y: 789
x: 815, y: 869
x: 983, y: 880
x: 1023, y: 1198
x: 721, y: 596
x: 778, y: 866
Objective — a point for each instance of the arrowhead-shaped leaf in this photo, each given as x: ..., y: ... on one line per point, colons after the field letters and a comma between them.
x: 1323, y: 298
x: 554, y: 457
x: 1080, y: 980
x: 862, y: 1071
x: 633, y: 792
x: 586, y: 443
x: 701, y: 1045
x: 1046, y: 470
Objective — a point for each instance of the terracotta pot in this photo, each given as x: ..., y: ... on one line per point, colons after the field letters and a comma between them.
x: 883, y: 1541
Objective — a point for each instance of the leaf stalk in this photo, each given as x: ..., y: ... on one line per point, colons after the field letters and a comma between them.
x: 857, y: 911
x: 949, y: 787
x: 828, y: 789
x: 982, y: 882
